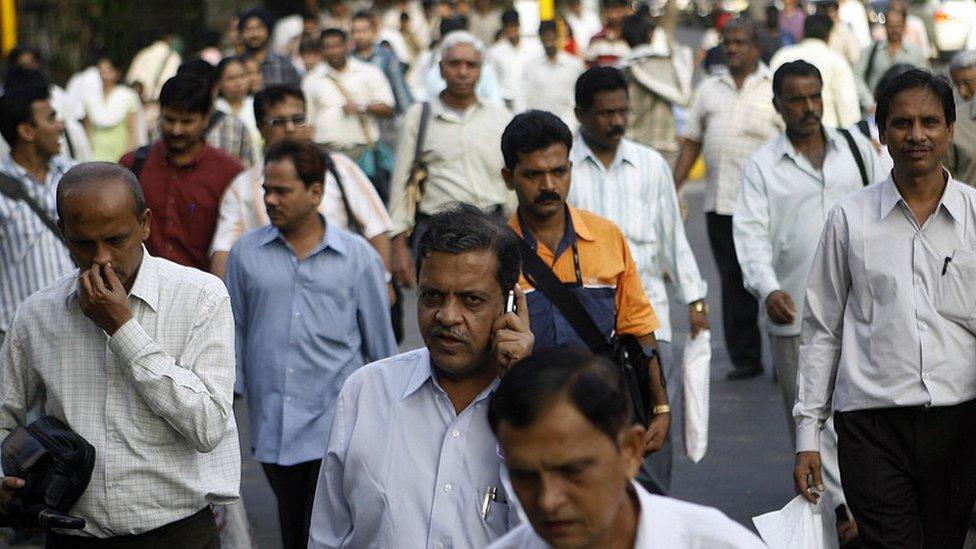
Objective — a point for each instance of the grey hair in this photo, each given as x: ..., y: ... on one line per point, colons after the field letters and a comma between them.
x: 963, y: 60
x: 89, y: 174
x: 458, y: 37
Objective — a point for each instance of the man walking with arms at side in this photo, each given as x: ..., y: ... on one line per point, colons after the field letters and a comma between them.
x: 730, y: 117
x: 788, y: 188
x: 310, y: 308
x: 631, y: 185
x: 889, y: 336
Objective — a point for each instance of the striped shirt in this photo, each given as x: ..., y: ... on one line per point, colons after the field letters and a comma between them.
x: 31, y: 256
x: 637, y: 193
x: 229, y: 134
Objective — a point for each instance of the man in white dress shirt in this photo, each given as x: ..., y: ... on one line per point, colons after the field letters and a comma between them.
x: 889, y: 335
x: 410, y: 456
x: 789, y: 186
x: 632, y: 186
x: 509, y: 56
x: 551, y: 76
x: 136, y: 354
x: 562, y: 420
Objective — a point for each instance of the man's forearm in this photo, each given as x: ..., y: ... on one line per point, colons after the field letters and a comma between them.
x: 689, y: 153
x: 383, y: 246
x: 218, y: 264
x: 659, y: 392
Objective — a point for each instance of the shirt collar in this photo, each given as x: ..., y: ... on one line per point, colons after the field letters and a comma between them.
x: 330, y: 239
x: 786, y: 147
x: 580, y: 227
x: 145, y: 287
x: 423, y: 370
x: 762, y: 72
x: 626, y: 152
x: 439, y: 109
x: 952, y: 199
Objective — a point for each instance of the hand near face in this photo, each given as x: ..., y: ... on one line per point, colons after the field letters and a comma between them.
x: 512, y: 339
x: 103, y: 298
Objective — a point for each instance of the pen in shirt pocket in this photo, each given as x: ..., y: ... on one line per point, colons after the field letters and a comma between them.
x: 490, y: 494
x: 945, y: 266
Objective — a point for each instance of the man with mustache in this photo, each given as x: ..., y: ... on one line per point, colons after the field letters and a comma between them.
x: 411, y: 460
x: 632, y: 186
x: 888, y: 335
x: 310, y: 308
x: 730, y: 117
x: 788, y: 188
x: 586, y: 252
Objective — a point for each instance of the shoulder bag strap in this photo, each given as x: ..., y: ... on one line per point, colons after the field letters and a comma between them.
x: 418, y: 148
x: 363, y: 123
x: 352, y: 223
x: 544, y: 280
x: 870, y: 68
x: 12, y: 188
x: 142, y: 153
x: 857, y: 156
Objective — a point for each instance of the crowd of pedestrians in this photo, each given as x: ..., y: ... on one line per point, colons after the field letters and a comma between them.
x: 243, y: 223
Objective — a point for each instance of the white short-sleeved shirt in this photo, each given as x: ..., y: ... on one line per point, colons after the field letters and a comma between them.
x: 364, y: 83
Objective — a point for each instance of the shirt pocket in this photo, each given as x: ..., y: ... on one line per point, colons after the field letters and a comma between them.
x: 955, y: 297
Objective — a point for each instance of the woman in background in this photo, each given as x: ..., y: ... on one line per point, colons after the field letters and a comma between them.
x: 112, y: 116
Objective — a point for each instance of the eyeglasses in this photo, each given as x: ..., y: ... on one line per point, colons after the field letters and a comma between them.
x: 282, y: 121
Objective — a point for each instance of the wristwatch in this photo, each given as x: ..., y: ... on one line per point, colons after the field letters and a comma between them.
x: 661, y: 409
x: 699, y: 306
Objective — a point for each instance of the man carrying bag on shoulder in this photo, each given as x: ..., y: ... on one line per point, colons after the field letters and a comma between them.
x: 580, y: 280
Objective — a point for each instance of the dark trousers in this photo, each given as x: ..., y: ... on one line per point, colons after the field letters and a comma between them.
x: 909, y: 474
x: 294, y: 488
x: 198, y: 531
x: 740, y: 310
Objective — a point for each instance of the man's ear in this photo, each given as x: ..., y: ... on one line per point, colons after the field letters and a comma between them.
x: 631, y: 444
x: 26, y: 132
x: 317, y: 191
x: 776, y: 105
x: 508, y: 177
x: 145, y: 223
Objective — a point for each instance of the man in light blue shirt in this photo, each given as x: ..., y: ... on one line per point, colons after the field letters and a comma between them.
x: 789, y: 187
x: 310, y: 307
x: 411, y: 460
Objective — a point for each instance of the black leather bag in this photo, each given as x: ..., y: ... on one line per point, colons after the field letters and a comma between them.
x: 56, y: 464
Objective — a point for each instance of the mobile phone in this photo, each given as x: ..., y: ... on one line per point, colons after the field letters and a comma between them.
x: 510, y: 302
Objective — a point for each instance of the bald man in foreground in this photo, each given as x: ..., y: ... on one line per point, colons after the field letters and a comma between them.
x: 137, y: 355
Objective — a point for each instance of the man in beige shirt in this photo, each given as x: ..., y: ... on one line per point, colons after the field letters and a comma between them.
x: 346, y: 98
x: 460, y: 151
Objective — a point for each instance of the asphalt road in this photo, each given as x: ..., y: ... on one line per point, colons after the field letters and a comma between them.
x: 746, y: 470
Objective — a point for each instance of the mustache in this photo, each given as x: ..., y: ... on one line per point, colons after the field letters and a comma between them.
x: 547, y: 196
x: 441, y: 330
x: 616, y: 130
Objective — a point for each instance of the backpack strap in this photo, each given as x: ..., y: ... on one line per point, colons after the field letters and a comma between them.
x: 857, y: 156
x: 142, y: 153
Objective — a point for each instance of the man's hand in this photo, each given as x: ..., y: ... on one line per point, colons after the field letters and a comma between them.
x: 512, y: 340
x: 780, y: 307
x: 656, y: 433
x: 9, y: 487
x: 807, y: 466
x: 103, y: 299
x: 697, y: 319
x: 402, y: 259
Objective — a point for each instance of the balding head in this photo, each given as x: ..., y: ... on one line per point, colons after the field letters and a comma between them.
x: 100, y: 177
x: 103, y: 218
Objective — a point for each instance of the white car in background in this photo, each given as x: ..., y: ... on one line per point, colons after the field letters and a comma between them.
x: 954, y: 25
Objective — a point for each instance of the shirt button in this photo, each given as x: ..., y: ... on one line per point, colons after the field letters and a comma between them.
x: 438, y: 545
x: 448, y: 488
x: 297, y: 314
x: 287, y: 399
x: 918, y: 280
x: 291, y: 370
x: 456, y: 434
x: 922, y: 327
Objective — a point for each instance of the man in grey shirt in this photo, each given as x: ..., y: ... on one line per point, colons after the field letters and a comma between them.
x: 889, y: 335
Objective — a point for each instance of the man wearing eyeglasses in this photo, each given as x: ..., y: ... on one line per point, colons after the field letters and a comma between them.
x: 280, y: 113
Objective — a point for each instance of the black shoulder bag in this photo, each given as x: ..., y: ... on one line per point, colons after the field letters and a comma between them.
x: 624, y: 350
x: 857, y: 155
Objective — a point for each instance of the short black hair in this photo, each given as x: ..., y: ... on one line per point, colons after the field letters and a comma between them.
x: 818, y: 26
x: 271, y: 96
x: 533, y: 131
x: 595, y: 80
x: 916, y: 78
x: 89, y: 173
x: 18, y: 77
x: 199, y: 68
x: 333, y: 32
x: 465, y: 228
x: 793, y: 68
x: 365, y: 15
x: 307, y: 157
x: 16, y: 108
x: 772, y: 17
x: 510, y: 17
x: 451, y: 24
x: 187, y: 92
x: 547, y: 26
x: 614, y: 3
x: 637, y: 29
x: 591, y: 383
x: 224, y: 63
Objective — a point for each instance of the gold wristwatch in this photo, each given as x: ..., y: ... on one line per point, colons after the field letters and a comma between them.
x: 699, y: 306
x: 661, y: 409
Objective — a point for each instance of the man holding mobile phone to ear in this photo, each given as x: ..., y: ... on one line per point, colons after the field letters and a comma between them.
x: 411, y: 458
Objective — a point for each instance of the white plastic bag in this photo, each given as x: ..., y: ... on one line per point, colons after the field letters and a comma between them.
x: 800, y: 525
x: 697, y: 358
